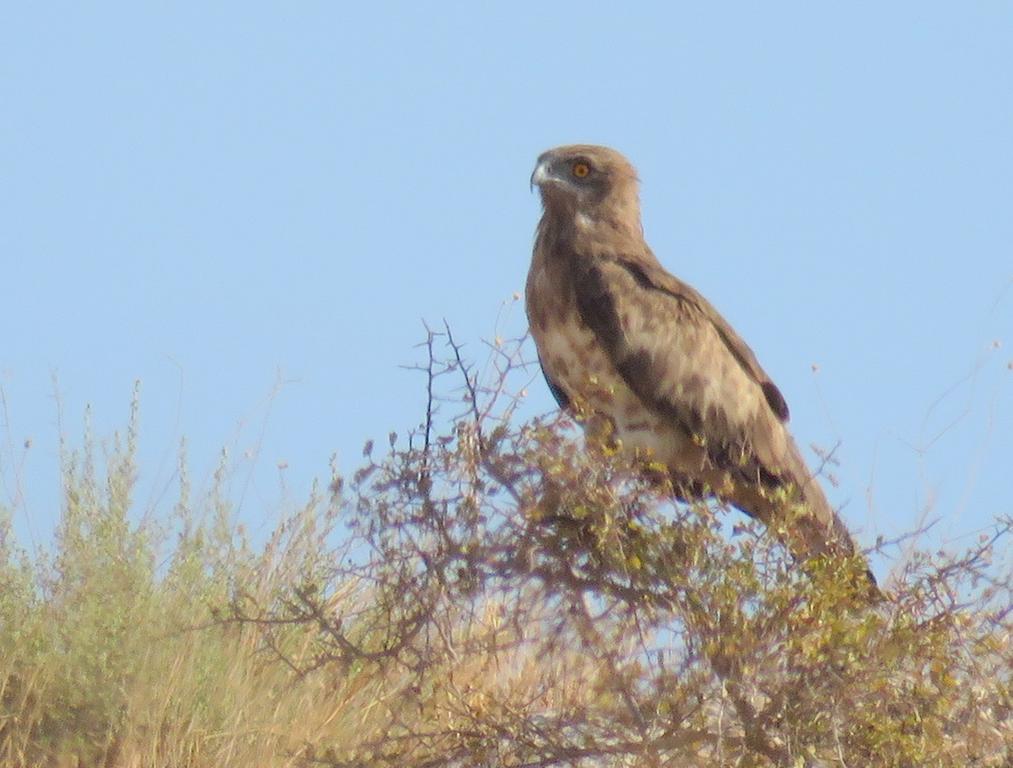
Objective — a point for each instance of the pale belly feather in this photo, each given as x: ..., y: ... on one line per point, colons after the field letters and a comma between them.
x: 573, y: 357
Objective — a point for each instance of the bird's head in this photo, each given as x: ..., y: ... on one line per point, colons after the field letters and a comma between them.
x: 587, y: 180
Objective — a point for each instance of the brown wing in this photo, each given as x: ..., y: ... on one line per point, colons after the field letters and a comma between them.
x: 684, y: 361
x: 652, y: 275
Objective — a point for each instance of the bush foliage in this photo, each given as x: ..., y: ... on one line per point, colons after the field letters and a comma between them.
x: 484, y: 592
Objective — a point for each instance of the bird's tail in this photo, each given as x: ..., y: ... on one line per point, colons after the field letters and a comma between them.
x: 800, y: 515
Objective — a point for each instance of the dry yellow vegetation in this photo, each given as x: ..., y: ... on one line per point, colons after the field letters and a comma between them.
x: 483, y: 594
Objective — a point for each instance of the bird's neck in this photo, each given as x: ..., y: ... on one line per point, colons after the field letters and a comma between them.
x: 615, y: 228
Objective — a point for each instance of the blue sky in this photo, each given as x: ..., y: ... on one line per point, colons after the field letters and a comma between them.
x: 216, y: 199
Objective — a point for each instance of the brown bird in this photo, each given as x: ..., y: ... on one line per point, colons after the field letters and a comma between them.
x: 619, y: 337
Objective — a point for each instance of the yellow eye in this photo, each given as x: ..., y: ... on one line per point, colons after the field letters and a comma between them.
x: 580, y: 170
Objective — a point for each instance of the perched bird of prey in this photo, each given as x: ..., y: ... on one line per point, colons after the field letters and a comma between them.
x: 621, y: 338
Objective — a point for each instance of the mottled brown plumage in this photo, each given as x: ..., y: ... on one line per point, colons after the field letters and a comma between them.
x: 621, y: 338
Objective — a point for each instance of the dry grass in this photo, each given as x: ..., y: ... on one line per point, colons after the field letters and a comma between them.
x: 485, y: 595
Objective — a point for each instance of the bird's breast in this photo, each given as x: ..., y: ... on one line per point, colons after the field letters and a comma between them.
x: 575, y: 359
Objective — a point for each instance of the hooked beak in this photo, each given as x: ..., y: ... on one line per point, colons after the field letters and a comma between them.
x: 541, y: 173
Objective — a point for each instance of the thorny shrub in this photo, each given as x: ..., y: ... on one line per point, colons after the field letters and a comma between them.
x: 543, y: 605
